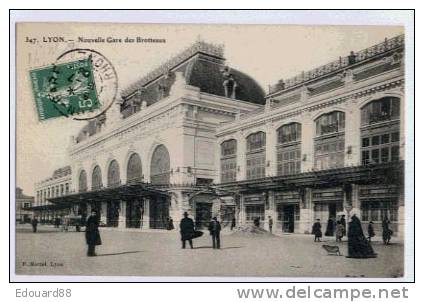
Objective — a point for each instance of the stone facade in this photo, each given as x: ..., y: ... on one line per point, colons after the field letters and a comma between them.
x: 169, y: 130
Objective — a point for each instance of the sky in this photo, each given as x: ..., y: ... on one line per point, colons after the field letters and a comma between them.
x: 265, y: 52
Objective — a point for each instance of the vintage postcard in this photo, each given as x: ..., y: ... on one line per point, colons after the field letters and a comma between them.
x: 171, y: 150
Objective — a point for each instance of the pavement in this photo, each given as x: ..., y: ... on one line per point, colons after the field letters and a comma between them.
x: 159, y: 253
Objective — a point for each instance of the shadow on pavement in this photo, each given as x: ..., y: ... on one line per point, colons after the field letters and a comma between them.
x: 222, y: 248
x: 121, y: 253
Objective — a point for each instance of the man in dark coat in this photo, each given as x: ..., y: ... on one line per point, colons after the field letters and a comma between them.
x: 343, y: 222
x: 316, y: 230
x: 187, y: 230
x: 34, y: 223
x: 358, y: 245
x: 233, y: 223
x: 215, y: 230
x: 92, y: 234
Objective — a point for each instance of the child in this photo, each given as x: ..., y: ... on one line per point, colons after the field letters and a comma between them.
x: 371, y: 232
x: 316, y: 230
x: 340, y: 231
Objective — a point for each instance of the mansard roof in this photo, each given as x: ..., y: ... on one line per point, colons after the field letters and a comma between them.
x: 202, y: 65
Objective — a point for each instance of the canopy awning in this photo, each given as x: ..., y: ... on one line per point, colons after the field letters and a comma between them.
x: 121, y: 192
x: 386, y: 173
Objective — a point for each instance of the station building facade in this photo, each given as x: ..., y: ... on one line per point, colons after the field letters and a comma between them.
x: 328, y: 142
x: 195, y: 135
x: 59, y: 184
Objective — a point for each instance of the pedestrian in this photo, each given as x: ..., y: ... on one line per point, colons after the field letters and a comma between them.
x: 187, y: 230
x: 170, y: 225
x: 371, y: 232
x: 270, y: 223
x: 256, y: 222
x: 316, y: 230
x: 340, y: 230
x: 387, y: 232
x: 215, y: 230
x: 358, y: 245
x: 92, y: 234
x: 343, y: 222
x: 233, y: 223
x: 330, y: 228
x: 57, y: 222
x: 34, y: 223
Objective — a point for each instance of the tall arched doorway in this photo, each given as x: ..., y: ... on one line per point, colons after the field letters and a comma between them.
x: 96, y: 184
x: 134, y: 208
x: 82, y: 187
x: 113, y: 180
x: 160, y: 167
x: 96, y: 178
x: 82, y: 181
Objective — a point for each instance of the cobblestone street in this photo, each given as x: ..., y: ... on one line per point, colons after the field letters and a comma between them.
x: 159, y: 253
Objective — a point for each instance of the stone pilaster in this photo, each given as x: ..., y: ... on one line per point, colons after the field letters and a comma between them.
x: 177, y: 207
x: 242, y: 213
x: 270, y: 211
x: 306, y: 213
x: 271, y: 153
x: 122, y: 222
x: 307, y: 145
x: 145, y: 219
x: 103, y: 212
x: 241, y: 157
x: 352, y: 136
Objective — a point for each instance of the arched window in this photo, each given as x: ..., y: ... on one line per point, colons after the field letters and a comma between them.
x: 288, y: 149
x: 381, y: 110
x: 134, y: 171
x: 229, y: 160
x: 96, y: 179
x: 113, y: 176
x: 380, y: 131
x: 82, y: 182
x: 255, y: 155
x: 289, y: 133
x: 331, y: 122
x: 329, y: 141
x: 160, y: 166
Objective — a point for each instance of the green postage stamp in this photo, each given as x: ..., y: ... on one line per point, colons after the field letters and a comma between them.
x: 65, y: 89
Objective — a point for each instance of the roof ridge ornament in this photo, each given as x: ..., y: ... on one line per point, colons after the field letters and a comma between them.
x: 198, y: 46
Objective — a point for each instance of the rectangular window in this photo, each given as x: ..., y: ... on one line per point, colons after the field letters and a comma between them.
x: 332, y: 152
x: 365, y: 142
x: 255, y: 211
x: 379, y: 209
x: 395, y: 136
x: 288, y: 159
x: 375, y: 156
x: 385, y: 138
x: 395, y: 153
x: 375, y: 140
x: 255, y: 165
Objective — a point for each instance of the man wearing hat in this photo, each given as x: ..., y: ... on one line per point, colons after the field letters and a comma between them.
x: 92, y: 234
x: 187, y: 230
x: 214, y: 230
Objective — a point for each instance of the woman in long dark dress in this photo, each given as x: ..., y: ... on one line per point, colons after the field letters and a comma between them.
x: 358, y: 245
x: 92, y: 234
x: 330, y: 228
